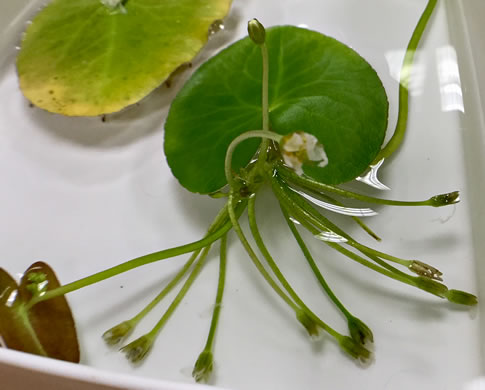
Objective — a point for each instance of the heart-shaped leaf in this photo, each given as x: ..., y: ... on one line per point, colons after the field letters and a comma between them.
x: 316, y: 85
x: 47, y: 328
x: 93, y: 57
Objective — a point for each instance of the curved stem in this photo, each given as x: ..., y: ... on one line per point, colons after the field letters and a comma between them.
x: 223, y: 226
x: 181, y: 294
x: 272, y: 264
x: 265, y: 134
x: 404, y: 79
x: 313, y: 265
x: 137, y: 318
x: 310, y: 215
x: 254, y: 257
x: 302, y: 217
x: 357, y: 220
x: 318, y: 187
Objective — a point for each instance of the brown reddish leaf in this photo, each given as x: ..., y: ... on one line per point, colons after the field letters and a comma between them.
x: 46, y: 329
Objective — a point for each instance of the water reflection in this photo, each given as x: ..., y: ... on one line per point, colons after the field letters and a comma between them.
x: 329, y: 236
x: 371, y: 179
x: 449, y: 79
x: 11, y: 299
x: 350, y: 211
x: 415, y: 73
x: 451, y: 94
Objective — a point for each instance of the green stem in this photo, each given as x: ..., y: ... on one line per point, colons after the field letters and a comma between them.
x: 308, y: 213
x: 181, y: 294
x: 221, y: 219
x: 315, y: 186
x: 314, y: 267
x: 219, y: 295
x: 293, y: 209
x: 423, y: 283
x: 263, y: 149
x: 166, y: 290
x: 265, y: 134
x: 369, y: 251
x: 404, y: 79
x: 370, y: 265
x: 274, y: 267
x: 254, y: 257
x: 357, y: 220
x: 264, y: 97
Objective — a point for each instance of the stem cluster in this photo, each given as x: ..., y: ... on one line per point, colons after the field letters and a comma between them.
x: 296, y: 195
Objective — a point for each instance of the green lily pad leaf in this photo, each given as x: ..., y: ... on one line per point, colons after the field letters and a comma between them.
x: 316, y: 85
x: 92, y: 57
x: 47, y: 328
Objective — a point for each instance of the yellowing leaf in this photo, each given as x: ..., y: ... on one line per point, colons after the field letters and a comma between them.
x: 92, y: 57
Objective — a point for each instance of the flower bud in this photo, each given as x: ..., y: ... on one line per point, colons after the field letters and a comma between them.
x: 431, y: 286
x: 445, y: 199
x: 118, y: 333
x: 354, y: 349
x: 310, y: 325
x: 203, y: 367
x: 137, y: 350
x: 359, y: 331
x: 37, y: 284
x: 461, y: 297
x: 256, y: 31
x: 425, y: 270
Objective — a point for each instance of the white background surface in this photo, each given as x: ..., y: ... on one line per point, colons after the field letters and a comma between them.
x: 84, y: 195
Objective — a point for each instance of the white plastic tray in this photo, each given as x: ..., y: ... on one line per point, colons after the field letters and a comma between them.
x: 83, y: 195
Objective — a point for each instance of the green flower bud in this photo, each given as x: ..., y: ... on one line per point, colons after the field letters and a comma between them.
x: 137, y: 350
x: 425, y: 270
x: 203, y: 367
x: 359, y: 331
x: 38, y: 283
x: 256, y: 31
x: 118, y: 333
x: 353, y: 348
x: 461, y: 297
x: 431, y: 286
x: 311, y: 326
x: 445, y: 199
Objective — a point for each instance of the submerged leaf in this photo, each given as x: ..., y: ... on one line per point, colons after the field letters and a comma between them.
x: 317, y: 85
x: 46, y: 329
x: 91, y: 57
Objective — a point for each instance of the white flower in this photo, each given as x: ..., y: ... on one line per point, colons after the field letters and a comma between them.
x: 299, y: 148
x: 114, y: 5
